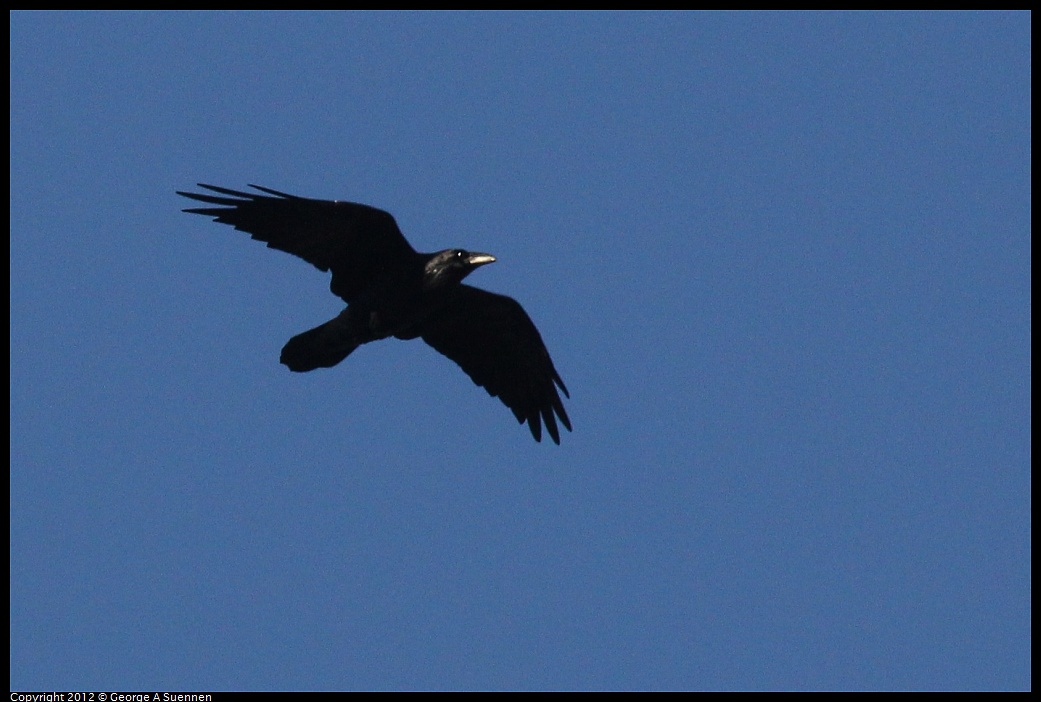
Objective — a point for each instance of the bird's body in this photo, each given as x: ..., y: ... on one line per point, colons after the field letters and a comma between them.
x: 392, y: 290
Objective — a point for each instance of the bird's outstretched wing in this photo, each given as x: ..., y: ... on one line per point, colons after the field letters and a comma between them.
x: 356, y: 242
x: 493, y: 339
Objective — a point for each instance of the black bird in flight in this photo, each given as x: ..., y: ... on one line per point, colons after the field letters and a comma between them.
x: 392, y: 290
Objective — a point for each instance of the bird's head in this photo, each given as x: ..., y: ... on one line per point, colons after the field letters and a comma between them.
x: 450, y: 266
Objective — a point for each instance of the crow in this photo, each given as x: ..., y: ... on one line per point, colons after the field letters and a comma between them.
x: 392, y: 290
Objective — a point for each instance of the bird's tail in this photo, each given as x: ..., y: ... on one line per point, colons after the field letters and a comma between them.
x: 321, y: 347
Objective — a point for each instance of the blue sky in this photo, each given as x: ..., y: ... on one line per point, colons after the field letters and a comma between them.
x: 782, y: 262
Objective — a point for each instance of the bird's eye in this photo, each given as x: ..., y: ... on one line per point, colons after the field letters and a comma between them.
x: 460, y: 254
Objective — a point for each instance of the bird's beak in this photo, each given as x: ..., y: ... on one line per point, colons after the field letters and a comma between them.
x: 479, y: 259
